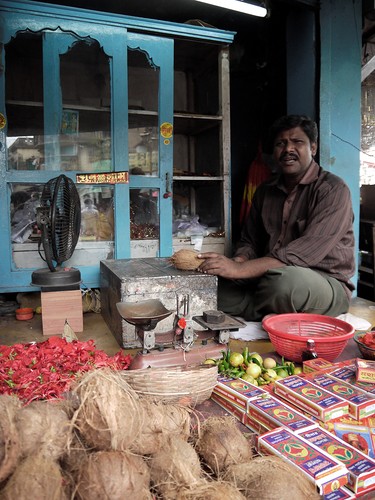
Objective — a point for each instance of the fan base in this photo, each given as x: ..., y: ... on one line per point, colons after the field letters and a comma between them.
x: 66, y: 278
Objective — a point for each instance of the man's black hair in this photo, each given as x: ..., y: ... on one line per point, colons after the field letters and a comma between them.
x: 292, y: 121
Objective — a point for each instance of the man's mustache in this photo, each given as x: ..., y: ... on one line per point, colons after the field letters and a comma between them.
x: 288, y: 156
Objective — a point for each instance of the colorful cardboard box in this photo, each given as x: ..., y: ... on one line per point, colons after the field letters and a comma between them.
x: 360, y: 436
x: 326, y: 472
x: 311, y: 398
x: 271, y: 413
x: 340, y: 494
x: 361, y: 404
x: 316, y: 365
x: 348, y: 374
x: 365, y: 371
x: 361, y: 467
x: 237, y: 391
x: 230, y: 408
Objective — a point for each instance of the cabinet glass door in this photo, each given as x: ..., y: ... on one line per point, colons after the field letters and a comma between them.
x: 58, y: 99
x: 150, y: 141
x: 66, y: 96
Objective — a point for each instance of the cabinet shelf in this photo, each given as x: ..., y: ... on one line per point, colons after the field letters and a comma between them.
x: 79, y: 107
x: 366, y: 270
x: 196, y: 178
x: 197, y: 116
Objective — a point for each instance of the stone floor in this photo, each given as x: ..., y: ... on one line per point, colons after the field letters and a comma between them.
x: 94, y: 327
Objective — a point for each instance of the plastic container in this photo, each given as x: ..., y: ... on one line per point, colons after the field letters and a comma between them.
x: 24, y: 313
x: 290, y: 332
x: 366, y: 351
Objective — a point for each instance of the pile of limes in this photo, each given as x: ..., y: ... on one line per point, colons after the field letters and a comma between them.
x: 252, y: 368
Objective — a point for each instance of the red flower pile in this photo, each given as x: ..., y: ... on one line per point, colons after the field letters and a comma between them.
x: 45, y: 370
x: 368, y: 339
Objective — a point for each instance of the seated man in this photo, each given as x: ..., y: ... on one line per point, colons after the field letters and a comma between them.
x: 296, y: 252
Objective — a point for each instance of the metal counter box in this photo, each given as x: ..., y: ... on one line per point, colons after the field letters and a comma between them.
x: 133, y: 280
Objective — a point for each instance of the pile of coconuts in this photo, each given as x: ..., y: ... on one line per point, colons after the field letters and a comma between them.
x: 107, y: 442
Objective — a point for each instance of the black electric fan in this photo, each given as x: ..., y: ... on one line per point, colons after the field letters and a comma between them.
x: 59, y: 220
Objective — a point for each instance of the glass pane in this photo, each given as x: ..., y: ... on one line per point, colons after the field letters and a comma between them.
x: 85, y: 141
x: 144, y: 214
x: 24, y: 101
x: 24, y: 200
x: 143, y: 149
x: 193, y: 209
x: 97, y: 215
x: 143, y: 92
x: 97, y: 226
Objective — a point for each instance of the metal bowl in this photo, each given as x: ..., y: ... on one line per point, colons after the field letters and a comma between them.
x: 143, y: 313
x: 367, y: 352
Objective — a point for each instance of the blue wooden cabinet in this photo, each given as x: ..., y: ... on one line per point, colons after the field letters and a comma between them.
x: 85, y: 93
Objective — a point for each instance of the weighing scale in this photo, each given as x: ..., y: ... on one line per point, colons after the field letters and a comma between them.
x: 184, y: 344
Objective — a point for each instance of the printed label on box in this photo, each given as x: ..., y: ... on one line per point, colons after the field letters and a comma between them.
x: 340, y: 494
x: 311, y: 398
x: 238, y: 391
x: 348, y: 375
x: 361, y: 404
x: 361, y: 467
x: 365, y: 371
x: 359, y: 436
x: 273, y: 413
x: 327, y: 473
x: 317, y: 364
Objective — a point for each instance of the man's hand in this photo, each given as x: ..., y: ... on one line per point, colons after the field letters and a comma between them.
x: 220, y: 265
x: 236, y: 268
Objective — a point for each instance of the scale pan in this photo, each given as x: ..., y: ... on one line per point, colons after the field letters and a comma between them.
x: 139, y: 313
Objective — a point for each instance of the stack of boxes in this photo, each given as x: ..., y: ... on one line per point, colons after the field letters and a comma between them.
x: 320, y: 421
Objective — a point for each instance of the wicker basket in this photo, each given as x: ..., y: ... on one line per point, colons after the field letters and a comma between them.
x: 187, y: 385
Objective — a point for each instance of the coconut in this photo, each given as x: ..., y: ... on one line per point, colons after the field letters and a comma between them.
x: 270, y: 477
x: 186, y: 260
x: 74, y: 456
x: 44, y: 427
x: 161, y: 420
x: 211, y: 490
x: 221, y: 443
x: 176, y: 465
x: 113, y: 474
x: 10, y: 448
x: 109, y: 415
x: 35, y: 477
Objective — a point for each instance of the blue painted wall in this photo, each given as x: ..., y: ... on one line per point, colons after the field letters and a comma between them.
x: 340, y: 93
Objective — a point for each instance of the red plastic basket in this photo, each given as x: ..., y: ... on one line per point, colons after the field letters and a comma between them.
x: 289, y: 333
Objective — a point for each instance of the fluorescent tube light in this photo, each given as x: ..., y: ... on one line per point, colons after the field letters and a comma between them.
x: 239, y: 6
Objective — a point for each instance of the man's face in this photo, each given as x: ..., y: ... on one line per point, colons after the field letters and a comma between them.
x: 293, y: 152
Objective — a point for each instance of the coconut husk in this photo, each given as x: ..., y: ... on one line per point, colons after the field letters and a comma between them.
x: 161, y: 420
x: 44, y: 428
x: 186, y: 260
x: 211, y: 490
x: 109, y: 416
x: 272, y: 478
x: 35, y: 477
x: 10, y: 447
x: 113, y: 474
x: 176, y: 465
x: 221, y: 443
x: 74, y: 456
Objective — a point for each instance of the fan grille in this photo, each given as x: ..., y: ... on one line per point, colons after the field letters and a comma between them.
x: 61, y: 207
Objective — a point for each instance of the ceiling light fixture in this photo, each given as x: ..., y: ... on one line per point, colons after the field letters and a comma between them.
x: 239, y: 6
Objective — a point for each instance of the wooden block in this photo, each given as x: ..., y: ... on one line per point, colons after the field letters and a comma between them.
x: 57, y: 307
